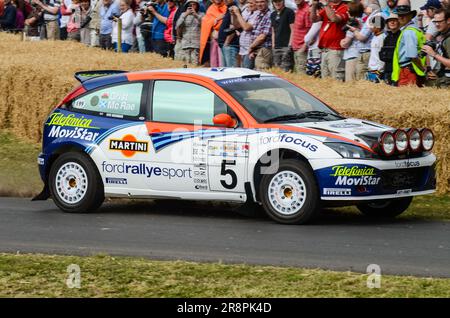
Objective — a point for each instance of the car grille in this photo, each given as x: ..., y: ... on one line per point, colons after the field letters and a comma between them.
x: 403, y: 178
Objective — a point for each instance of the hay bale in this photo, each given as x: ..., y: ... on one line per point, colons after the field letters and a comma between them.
x: 36, y: 75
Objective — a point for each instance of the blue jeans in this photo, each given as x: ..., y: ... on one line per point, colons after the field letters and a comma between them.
x: 247, y: 62
x: 141, y: 44
x: 229, y: 54
x: 125, y: 47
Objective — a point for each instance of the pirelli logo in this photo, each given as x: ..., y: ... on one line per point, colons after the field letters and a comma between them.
x: 128, y: 145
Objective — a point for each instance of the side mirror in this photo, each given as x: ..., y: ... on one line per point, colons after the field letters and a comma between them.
x: 224, y: 120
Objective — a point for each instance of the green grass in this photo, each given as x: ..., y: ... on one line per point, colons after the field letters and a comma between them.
x: 34, y: 275
x: 19, y: 176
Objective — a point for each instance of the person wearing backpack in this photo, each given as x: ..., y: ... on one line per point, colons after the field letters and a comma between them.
x: 389, y: 43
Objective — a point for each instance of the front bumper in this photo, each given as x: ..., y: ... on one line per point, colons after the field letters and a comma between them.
x: 354, y: 180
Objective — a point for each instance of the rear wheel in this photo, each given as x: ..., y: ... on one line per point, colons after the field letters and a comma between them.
x: 75, y: 184
x: 385, y: 208
x: 290, y: 195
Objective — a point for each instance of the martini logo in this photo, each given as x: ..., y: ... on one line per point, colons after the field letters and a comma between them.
x: 128, y: 145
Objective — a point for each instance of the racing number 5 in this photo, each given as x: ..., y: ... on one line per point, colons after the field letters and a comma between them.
x: 224, y: 171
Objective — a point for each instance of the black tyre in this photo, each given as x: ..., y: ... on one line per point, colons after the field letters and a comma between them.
x: 385, y: 208
x: 290, y: 196
x: 75, y: 184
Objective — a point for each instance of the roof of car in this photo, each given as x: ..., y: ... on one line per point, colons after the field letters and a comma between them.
x: 215, y: 73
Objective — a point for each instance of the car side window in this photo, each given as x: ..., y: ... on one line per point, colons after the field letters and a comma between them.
x: 185, y: 103
x: 118, y: 100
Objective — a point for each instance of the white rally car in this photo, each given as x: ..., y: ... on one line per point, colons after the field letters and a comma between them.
x: 225, y: 134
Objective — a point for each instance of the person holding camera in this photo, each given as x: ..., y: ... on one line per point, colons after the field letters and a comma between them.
x: 282, y: 20
x: 439, y: 76
x: 109, y: 9
x: 350, y: 44
x: 364, y: 35
x: 127, y: 36
x: 334, y: 16
x: 188, y: 25
x: 51, y: 11
x: 408, y: 67
x: 160, y: 12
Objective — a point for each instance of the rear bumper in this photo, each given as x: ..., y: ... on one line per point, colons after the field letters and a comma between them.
x: 355, y: 180
x: 42, y: 161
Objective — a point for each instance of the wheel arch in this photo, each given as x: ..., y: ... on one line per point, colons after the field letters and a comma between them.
x: 283, y: 153
x: 65, y: 148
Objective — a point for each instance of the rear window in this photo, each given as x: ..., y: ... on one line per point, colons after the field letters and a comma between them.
x: 119, y: 100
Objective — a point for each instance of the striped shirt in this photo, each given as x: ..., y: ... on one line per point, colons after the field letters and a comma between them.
x: 245, y: 38
x: 262, y: 25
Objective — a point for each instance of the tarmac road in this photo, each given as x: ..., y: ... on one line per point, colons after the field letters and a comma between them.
x: 199, y: 232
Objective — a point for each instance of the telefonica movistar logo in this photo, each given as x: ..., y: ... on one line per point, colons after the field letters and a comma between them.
x: 71, y: 120
x: 355, y: 171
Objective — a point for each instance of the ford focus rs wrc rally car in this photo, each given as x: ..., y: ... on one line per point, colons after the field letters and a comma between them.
x: 225, y: 134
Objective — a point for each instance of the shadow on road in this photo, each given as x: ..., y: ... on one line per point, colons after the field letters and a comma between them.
x: 335, y: 216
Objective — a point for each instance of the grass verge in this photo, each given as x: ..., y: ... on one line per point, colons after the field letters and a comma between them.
x: 19, y: 176
x: 36, y: 275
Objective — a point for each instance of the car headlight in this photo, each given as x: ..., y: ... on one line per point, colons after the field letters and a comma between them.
x: 427, y: 139
x: 349, y: 151
x: 401, y: 141
x: 414, y: 139
x: 387, y: 142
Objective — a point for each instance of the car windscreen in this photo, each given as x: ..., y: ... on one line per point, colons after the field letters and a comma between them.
x: 267, y: 98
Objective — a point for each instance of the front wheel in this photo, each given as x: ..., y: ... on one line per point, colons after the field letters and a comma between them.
x: 385, y: 208
x: 290, y: 195
x: 75, y: 184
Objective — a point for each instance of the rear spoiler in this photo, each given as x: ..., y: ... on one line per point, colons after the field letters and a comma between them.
x: 83, y: 76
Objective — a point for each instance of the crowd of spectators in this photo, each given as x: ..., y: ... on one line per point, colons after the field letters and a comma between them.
x: 346, y: 40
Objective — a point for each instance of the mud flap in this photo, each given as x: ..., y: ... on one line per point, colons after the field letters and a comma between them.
x: 44, y: 195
